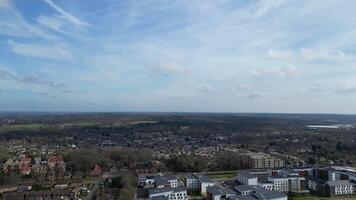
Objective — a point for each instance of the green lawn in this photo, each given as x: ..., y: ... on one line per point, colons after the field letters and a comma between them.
x: 221, y: 174
x: 324, y: 198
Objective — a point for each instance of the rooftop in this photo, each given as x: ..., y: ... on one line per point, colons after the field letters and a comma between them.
x: 203, y: 178
x: 246, y: 174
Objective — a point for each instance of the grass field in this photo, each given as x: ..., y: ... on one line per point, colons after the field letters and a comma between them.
x: 21, y: 127
x: 324, y: 198
x: 221, y: 174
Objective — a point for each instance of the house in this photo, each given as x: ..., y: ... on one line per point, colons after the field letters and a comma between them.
x: 8, y: 165
x: 53, y: 161
x: 96, y: 171
x: 25, y: 170
x: 25, y: 160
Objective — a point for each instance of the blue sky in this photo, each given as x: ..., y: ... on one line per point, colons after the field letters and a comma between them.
x: 178, y: 55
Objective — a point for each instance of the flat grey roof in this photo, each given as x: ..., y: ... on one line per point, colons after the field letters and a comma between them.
x: 262, y: 193
x: 190, y: 176
x: 243, y: 188
x: 244, y: 197
x: 216, y: 190
x: 340, y: 183
x: 246, y: 174
x: 203, y: 178
x: 179, y: 189
x: 159, y: 190
x: 162, y: 197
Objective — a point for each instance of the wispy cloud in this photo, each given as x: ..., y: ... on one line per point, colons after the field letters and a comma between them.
x: 28, y: 79
x: 66, y: 15
x: 40, y: 51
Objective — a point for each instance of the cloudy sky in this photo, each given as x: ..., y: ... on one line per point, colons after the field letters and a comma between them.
x: 178, y: 55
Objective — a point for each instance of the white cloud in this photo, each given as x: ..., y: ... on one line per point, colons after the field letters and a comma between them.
x: 282, y: 72
x: 165, y: 68
x: 66, y: 15
x: 323, y: 55
x: 40, y: 51
x: 54, y: 23
x: 280, y: 54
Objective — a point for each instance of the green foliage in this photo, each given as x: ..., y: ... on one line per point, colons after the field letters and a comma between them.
x: 230, y: 161
x: 8, y: 179
x: 4, y: 153
x: 85, y: 159
x: 185, y: 163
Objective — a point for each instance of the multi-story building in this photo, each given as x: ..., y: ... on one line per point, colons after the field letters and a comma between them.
x: 331, y: 188
x: 191, y: 182
x: 246, y: 178
x: 262, y: 160
x: 280, y: 183
x: 178, y: 193
x: 265, y: 184
x: 344, y: 187
x: 198, y: 182
x: 218, y: 193
x: 254, y: 192
x: 204, y: 182
x: 158, y: 181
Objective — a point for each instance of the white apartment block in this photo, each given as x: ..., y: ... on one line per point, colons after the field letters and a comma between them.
x: 344, y: 187
x: 280, y: 183
x: 192, y: 182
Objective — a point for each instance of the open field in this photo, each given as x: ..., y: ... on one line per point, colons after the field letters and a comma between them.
x: 20, y: 127
x: 221, y: 174
x: 324, y: 198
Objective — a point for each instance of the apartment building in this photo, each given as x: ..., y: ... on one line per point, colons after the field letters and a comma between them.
x: 343, y: 187
x: 280, y: 183
x: 262, y: 160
